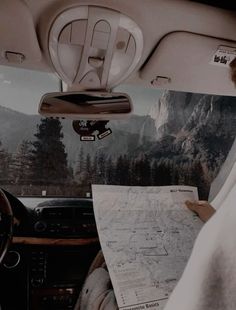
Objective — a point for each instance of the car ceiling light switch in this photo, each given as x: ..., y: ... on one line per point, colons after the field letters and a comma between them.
x: 94, y: 47
x: 160, y: 81
x: 13, y: 57
x: 95, y: 62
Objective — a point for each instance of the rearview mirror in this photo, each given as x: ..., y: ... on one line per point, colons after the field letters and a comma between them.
x: 86, y: 105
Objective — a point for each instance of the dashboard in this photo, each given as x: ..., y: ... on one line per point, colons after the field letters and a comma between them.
x: 54, y: 243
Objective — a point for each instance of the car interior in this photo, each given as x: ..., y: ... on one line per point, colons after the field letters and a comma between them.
x: 105, y: 87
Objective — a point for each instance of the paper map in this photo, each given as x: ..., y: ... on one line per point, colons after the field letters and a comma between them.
x: 146, y: 235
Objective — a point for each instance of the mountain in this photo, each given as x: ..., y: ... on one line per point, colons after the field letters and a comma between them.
x: 193, y: 127
x: 180, y: 125
x: 16, y: 127
x: 172, y: 111
x: 194, y: 122
x: 211, y: 127
x: 126, y: 135
x: 184, y: 139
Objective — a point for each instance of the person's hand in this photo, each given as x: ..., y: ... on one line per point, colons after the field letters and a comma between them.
x: 233, y: 70
x: 202, y: 208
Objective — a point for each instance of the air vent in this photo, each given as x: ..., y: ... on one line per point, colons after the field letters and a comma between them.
x: 57, y: 213
x: 65, y: 218
x: 67, y: 213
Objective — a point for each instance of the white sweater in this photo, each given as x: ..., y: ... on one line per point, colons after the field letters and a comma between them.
x: 209, y: 279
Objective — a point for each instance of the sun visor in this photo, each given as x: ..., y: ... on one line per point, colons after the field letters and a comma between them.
x: 94, y: 47
x: 193, y: 63
x: 18, y: 39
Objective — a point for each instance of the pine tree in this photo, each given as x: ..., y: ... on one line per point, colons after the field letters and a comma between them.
x: 80, y: 169
x: 110, y: 173
x: 4, y: 165
x: 132, y: 175
x: 83, y: 174
x: 49, y: 158
x: 88, y: 169
x: 145, y: 171
x: 141, y: 171
x: 20, y: 171
x: 122, y: 170
x: 80, y: 163
x: 94, y: 174
x: 175, y: 166
x: 119, y: 171
x: 161, y: 173
x: 126, y: 171
x: 165, y: 172
x: 101, y: 168
x: 134, y: 172
x: 154, y: 173
x: 199, y: 180
x: 88, y: 166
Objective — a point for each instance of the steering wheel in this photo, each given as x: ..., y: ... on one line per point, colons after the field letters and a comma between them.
x: 6, y: 224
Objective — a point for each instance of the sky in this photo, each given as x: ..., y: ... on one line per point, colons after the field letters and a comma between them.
x: 21, y: 90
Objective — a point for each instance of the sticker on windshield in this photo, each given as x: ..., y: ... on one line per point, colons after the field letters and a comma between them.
x: 223, y: 56
x: 87, y: 138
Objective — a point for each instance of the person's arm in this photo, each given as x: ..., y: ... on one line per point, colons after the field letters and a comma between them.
x: 202, y: 208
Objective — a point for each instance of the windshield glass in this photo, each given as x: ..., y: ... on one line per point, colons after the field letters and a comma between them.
x: 171, y: 138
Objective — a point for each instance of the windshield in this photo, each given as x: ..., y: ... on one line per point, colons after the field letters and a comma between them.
x: 171, y: 138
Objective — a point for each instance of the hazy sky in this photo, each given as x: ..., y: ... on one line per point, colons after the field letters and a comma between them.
x: 21, y: 90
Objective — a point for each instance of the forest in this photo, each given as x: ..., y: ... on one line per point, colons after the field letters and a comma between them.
x: 41, y: 166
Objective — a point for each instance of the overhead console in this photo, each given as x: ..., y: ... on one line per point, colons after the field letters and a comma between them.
x: 190, y: 62
x: 94, y: 47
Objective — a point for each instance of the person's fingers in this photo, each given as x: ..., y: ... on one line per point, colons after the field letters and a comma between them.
x: 192, y: 205
x: 203, y: 203
x: 202, y: 208
x: 196, y: 205
x: 233, y: 70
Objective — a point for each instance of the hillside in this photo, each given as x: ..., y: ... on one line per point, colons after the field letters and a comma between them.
x: 184, y: 139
